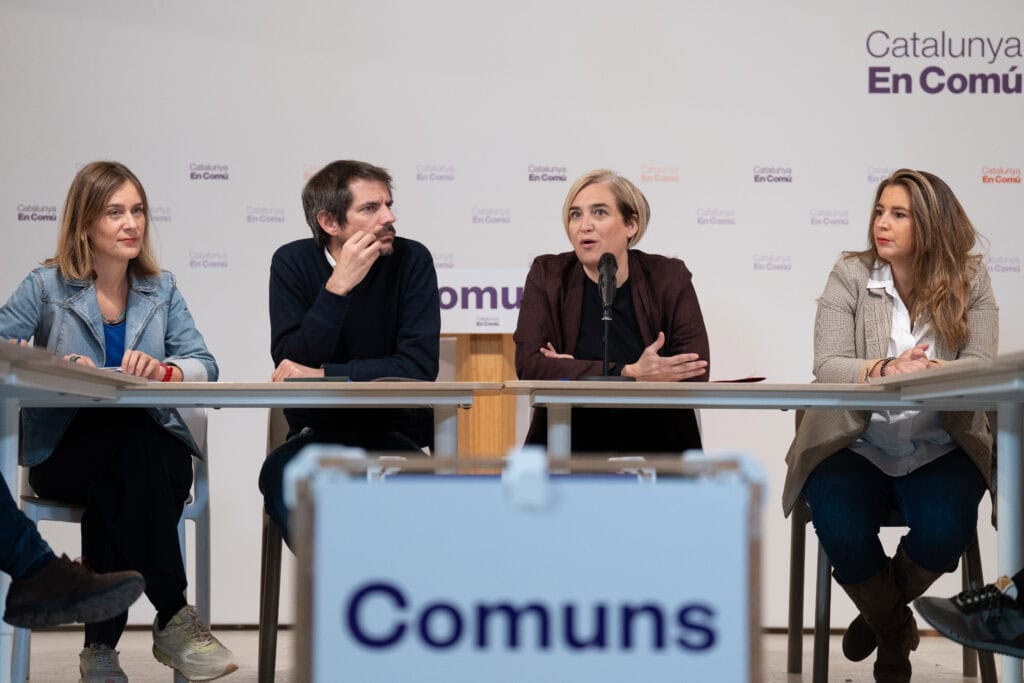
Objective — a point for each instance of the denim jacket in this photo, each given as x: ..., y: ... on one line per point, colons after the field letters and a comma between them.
x: 64, y: 316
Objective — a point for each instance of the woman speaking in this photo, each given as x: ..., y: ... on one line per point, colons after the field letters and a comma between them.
x: 657, y: 331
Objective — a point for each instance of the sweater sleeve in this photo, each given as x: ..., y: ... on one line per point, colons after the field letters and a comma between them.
x: 305, y: 320
x: 418, y: 341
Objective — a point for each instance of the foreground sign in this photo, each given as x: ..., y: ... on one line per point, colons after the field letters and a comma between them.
x: 591, y: 578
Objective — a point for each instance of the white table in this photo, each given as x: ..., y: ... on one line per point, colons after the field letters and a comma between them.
x: 33, y: 377
x: 560, y: 397
x: 444, y: 397
x: 994, y: 385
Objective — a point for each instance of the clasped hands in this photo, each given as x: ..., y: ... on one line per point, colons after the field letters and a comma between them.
x: 913, y: 359
x: 650, y: 367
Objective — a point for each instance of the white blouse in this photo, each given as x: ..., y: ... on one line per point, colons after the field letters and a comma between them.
x: 900, y: 441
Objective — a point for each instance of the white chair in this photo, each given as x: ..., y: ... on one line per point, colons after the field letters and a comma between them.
x: 197, y: 509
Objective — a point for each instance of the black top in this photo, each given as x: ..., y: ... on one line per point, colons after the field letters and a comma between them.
x: 624, y: 342
x: 389, y: 325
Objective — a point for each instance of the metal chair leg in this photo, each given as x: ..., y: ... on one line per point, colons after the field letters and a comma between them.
x: 822, y: 619
x: 972, y: 579
x: 270, y: 594
x: 795, y: 632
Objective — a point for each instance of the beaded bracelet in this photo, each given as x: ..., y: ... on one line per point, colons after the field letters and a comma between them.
x: 885, y: 363
x: 867, y: 375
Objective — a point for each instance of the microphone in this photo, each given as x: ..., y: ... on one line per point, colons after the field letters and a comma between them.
x: 607, y: 267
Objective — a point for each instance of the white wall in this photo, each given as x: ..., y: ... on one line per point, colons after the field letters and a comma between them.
x: 460, y: 99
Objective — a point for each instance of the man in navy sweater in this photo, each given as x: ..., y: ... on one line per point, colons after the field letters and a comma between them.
x: 354, y: 301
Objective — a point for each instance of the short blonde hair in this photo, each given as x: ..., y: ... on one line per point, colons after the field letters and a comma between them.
x: 87, y: 197
x: 631, y: 202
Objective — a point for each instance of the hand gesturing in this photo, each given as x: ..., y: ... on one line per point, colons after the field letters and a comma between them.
x: 650, y: 367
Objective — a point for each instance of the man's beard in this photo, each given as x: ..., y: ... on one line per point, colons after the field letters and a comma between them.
x: 386, y: 232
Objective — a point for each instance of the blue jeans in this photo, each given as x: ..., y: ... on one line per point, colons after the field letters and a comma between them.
x: 21, y: 547
x: 850, y: 497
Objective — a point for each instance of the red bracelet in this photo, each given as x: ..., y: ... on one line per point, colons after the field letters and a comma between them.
x: 168, y: 371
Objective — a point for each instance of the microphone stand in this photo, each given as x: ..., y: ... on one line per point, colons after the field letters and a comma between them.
x: 606, y: 318
x: 606, y: 283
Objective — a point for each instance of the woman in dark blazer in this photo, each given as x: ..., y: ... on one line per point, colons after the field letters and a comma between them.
x: 657, y: 333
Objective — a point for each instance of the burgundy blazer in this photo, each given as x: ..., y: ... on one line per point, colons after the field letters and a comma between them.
x: 663, y: 299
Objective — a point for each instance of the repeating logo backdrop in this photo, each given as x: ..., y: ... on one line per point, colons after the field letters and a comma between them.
x: 757, y: 133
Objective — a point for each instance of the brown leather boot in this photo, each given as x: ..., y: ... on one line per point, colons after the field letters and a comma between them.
x: 913, y: 580
x: 896, y: 639
x: 880, y: 602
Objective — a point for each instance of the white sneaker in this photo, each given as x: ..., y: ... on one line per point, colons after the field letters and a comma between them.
x: 98, y: 664
x: 187, y: 646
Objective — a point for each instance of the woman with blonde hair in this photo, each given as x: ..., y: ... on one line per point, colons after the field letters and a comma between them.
x: 102, y: 301
x: 657, y: 331
x: 915, y: 299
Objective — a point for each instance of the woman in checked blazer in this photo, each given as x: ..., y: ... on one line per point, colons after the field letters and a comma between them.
x: 915, y: 299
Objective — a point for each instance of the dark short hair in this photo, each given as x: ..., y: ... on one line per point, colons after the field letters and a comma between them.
x: 328, y: 190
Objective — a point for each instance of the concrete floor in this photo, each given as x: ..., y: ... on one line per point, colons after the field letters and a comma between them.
x: 54, y: 658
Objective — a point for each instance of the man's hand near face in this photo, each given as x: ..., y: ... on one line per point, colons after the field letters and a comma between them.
x: 356, y: 257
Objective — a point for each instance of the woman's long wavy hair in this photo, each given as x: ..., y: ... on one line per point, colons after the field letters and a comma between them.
x: 943, y: 265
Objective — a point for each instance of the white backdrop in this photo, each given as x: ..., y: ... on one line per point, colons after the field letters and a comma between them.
x: 484, y: 114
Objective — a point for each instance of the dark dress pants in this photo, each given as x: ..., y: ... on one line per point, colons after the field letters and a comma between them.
x: 133, y: 478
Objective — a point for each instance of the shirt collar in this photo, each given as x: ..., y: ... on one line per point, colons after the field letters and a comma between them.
x: 881, y: 278
x: 330, y: 259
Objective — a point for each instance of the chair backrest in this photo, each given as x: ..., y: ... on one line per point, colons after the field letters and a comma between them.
x: 25, y: 487
x: 448, y: 359
x: 196, y: 421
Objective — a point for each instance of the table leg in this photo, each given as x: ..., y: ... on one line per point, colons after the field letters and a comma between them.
x: 559, y: 431
x: 446, y: 431
x: 1009, y: 508
x: 9, y: 470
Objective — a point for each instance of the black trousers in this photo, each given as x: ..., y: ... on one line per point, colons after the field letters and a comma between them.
x: 272, y: 474
x: 133, y: 478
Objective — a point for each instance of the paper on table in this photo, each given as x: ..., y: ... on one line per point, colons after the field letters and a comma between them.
x: 748, y: 378
x: 335, y: 378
